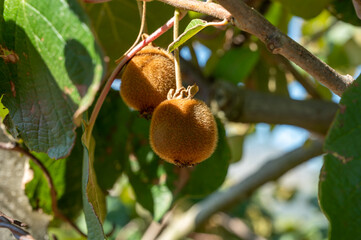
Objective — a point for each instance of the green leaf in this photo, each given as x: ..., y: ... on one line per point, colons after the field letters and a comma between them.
x: 195, y: 26
x: 117, y: 24
x: 302, y: 8
x: 93, y: 198
x: 66, y: 175
x: 57, y: 71
x: 235, y: 65
x: 345, y: 56
x: 235, y: 143
x: 38, y: 190
x: 145, y: 171
x: 340, y: 179
x: 147, y: 179
x: 345, y: 11
x: 278, y: 16
x: 340, y: 196
x: 3, y: 110
x: 111, y: 130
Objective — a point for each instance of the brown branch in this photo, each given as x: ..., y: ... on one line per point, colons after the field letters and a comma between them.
x: 242, y: 105
x: 180, y: 226
x: 357, y: 6
x: 15, y: 227
x: 249, y: 20
x: 155, y: 228
x: 53, y: 195
x: 208, y: 8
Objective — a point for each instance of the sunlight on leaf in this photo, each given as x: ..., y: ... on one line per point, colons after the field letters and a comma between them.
x: 195, y: 26
x: 3, y: 110
x: 58, y: 71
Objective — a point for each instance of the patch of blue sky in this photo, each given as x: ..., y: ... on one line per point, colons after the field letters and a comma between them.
x: 297, y: 91
x: 116, y: 84
x: 283, y: 137
x: 185, y: 53
x: 202, y: 53
x: 295, y: 28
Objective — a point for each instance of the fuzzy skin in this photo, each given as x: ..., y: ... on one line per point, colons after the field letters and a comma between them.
x: 147, y: 78
x: 183, y: 131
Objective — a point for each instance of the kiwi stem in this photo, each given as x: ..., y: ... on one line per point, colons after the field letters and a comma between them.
x: 157, y: 33
x: 142, y: 12
x: 178, y: 75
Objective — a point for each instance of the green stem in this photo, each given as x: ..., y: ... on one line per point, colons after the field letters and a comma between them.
x: 178, y: 75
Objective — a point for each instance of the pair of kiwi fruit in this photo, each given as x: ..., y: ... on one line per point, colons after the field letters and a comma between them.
x: 182, y: 130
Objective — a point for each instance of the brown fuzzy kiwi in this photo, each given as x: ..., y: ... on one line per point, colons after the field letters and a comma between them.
x: 183, y: 131
x: 147, y: 79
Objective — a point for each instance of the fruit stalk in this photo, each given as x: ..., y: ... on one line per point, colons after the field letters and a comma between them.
x: 178, y: 76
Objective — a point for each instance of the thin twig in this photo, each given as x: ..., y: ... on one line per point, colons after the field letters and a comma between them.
x: 13, y: 221
x: 53, y: 195
x: 249, y: 20
x: 208, y: 8
x: 155, y: 228
x: 180, y: 226
x: 178, y: 75
x: 304, y: 81
x: 15, y: 227
x: 235, y: 226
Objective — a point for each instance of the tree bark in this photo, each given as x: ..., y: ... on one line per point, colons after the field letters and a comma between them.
x: 241, y: 105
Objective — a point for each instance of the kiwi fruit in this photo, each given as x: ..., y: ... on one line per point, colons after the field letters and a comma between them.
x: 183, y: 131
x: 147, y: 78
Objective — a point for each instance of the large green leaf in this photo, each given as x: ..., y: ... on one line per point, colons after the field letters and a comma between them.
x: 340, y: 179
x: 54, y: 70
x: 117, y: 24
